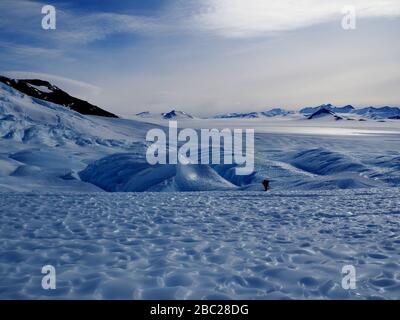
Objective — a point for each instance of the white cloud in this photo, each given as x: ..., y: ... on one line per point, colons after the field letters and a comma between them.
x: 227, y: 18
x: 76, y: 88
x: 247, y: 18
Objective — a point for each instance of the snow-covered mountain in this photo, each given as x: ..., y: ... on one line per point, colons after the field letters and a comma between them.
x: 171, y: 115
x: 147, y: 115
x: 44, y: 90
x: 324, y: 114
x: 176, y: 115
x: 30, y: 120
x: 310, y: 110
x: 379, y: 113
x: 345, y: 109
x: 374, y: 113
x: 346, y: 112
x: 238, y: 115
x: 276, y: 112
x: 43, y: 146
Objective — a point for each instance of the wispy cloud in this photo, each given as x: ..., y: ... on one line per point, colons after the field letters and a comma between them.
x: 23, y: 18
x: 249, y: 18
x: 88, y: 28
x: 74, y: 87
x: 226, y: 18
x: 26, y: 51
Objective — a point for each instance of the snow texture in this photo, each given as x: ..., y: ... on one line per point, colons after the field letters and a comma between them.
x: 212, y: 245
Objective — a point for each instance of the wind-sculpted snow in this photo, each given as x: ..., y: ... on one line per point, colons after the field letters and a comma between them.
x: 210, y: 245
x: 325, y: 162
x: 290, y: 162
x: 131, y: 173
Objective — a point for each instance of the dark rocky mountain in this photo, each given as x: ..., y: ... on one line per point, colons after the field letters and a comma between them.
x: 176, y: 115
x: 44, y: 90
x: 324, y: 113
x: 330, y: 107
x: 311, y: 110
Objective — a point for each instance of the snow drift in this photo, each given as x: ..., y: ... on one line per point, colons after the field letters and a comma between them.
x: 325, y: 162
x: 131, y: 173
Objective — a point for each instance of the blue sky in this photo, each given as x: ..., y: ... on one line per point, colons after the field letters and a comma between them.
x: 209, y: 55
x: 135, y: 7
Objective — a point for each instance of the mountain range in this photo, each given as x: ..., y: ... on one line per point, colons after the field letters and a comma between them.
x: 46, y: 91
x: 374, y: 113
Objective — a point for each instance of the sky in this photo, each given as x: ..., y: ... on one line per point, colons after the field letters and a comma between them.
x: 207, y: 56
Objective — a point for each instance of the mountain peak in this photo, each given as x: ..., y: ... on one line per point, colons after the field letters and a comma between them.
x: 174, y: 114
x: 44, y: 90
x: 322, y: 113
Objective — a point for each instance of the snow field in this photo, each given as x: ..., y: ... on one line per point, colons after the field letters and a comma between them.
x: 209, y: 245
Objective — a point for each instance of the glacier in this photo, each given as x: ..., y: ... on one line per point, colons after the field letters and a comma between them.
x: 76, y: 192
